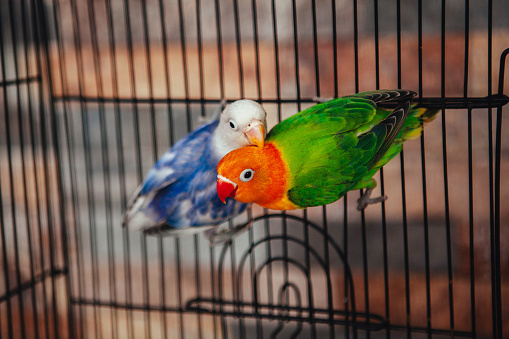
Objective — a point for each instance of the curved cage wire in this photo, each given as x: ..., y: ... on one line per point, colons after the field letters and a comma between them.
x: 93, y: 92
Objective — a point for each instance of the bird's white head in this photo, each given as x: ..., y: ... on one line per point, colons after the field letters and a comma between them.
x: 242, y: 123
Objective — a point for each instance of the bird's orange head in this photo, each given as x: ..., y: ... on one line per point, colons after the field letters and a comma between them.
x: 253, y: 175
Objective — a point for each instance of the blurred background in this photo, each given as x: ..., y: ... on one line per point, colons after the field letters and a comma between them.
x: 93, y: 92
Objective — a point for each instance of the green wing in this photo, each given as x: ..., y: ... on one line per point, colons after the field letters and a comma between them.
x: 331, y: 146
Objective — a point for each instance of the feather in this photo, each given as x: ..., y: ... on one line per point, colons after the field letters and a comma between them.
x: 179, y: 191
x: 327, y: 150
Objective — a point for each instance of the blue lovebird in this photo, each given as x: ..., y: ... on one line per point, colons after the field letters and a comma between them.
x: 179, y: 195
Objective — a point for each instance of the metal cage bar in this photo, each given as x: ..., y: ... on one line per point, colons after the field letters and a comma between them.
x: 93, y: 92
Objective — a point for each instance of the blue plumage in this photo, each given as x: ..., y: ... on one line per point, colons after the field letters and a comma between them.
x: 179, y: 193
x: 185, y: 180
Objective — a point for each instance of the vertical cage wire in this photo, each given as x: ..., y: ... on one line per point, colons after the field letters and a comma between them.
x: 93, y: 92
x: 33, y: 286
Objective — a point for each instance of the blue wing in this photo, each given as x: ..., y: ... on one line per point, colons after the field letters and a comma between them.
x: 180, y: 190
x: 181, y: 160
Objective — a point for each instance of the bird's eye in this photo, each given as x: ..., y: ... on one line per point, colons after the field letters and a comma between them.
x: 246, y: 175
x: 233, y: 124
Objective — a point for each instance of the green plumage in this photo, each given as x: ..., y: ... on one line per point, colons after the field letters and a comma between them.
x: 342, y: 143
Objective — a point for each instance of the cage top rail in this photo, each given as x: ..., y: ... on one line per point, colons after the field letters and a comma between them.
x: 492, y: 101
x: 465, y: 102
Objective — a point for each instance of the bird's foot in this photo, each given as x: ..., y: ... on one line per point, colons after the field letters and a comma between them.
x: 217, y: 236
x: 366, y: 199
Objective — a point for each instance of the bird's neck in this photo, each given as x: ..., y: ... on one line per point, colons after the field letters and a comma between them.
x: 219, y: 145
x: 276, y: 195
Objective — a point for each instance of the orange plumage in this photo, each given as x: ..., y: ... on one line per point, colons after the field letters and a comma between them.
x: 269, y: 187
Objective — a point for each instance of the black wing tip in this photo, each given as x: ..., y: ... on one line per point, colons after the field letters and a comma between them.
x: 397, y: 95
x: 397, y: 117
x: 399, y: 113
x: 393, y: 123
x: 388, y: 97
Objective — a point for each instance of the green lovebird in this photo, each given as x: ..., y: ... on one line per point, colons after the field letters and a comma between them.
x: 316, y: 156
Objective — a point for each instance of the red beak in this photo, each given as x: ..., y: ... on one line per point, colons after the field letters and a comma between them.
x: 225, y: 188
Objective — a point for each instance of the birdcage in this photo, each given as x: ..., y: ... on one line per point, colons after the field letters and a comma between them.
x: 93, y: 92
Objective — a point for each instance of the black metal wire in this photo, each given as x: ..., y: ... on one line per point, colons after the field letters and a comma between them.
x: 149, y: 71
x: 269, y: 260
x: 233, y: 265
x: 179, y: 285
x: 10, y: 156
x: 137, y: 152
x: 446, y: 175
x: 429, y: 102
x: 494, y: 296
x: 74, y: 114
x: 238, y: 46
x: 70, y: 145
x: 163, y: 284
x: 51, y: 217
x: 171, y: 140
x: 118, y: 126
x: 346, y: 283
x: 42, y: 27
x: 470, y: 175
x: 34, y: 280
x: 424, y: 189
x: 105, y: 163
x: 259, y: 328
x: 403, y: 185
x: 497, y: 199
x: 471, y: 224
x: 30, y: 235
x: 382, y: 182
x: 213, y: 288
x: 17, y: 224
x: 256, y: 42
x: 19, y: 81
x: 199, y: 40
x: 90, y: 192
x: 7, y: 283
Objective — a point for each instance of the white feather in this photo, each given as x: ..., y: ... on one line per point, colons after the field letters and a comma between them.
x: 225, y: 139
x: 140, y: 221
x: 134, y: 218
x: 243, y: 112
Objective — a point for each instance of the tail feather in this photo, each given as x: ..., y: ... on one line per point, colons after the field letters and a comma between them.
x: 417, y: 118
x: 134, y: 217
x: 131, y: 209
x: 390, y: 128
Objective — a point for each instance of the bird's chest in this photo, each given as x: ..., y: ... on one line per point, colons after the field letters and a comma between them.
x: 281, y: 204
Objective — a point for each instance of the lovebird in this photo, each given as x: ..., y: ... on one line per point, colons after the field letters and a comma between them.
x: 316, y: 156
x: 178, y: 195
